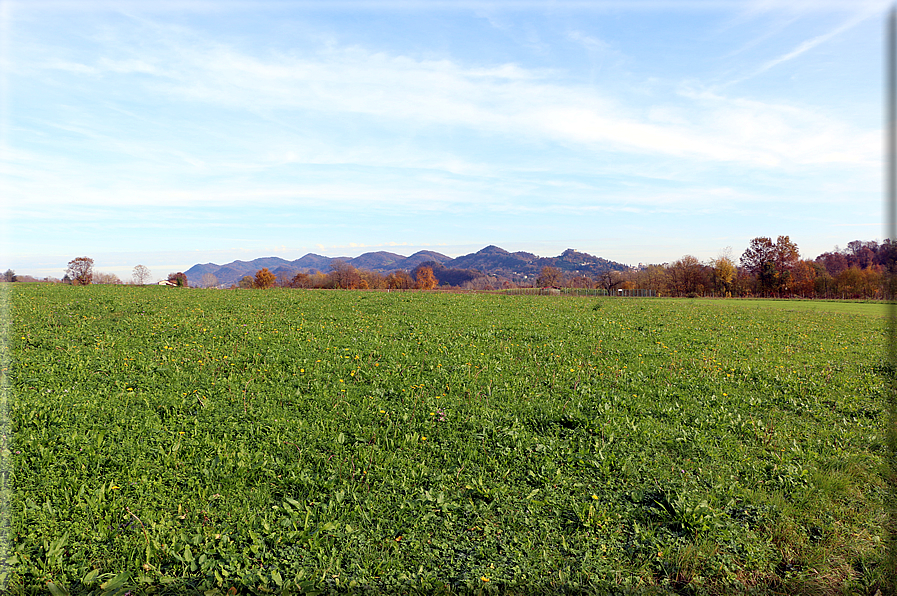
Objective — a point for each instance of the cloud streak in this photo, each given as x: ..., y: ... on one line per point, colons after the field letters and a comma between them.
x: 222, y: 131
x: 812, y: 43
x: 312, y: 93
x: 860, y: 12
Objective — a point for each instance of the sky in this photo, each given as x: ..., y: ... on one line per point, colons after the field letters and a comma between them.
x: 171, y: 133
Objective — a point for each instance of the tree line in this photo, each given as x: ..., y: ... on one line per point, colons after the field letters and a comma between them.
x: 342, y: 276
x: 80, y: 272
x: 767, y: 268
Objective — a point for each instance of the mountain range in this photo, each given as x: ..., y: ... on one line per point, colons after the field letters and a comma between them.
x: 492, y: 261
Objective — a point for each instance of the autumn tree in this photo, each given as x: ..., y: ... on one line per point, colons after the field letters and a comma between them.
x: 745, y: 284
x: 344, y: 275
x: 264, y: 279
x: 760, y: 251
x: 610, y: 280
x: 80, y: 271
x: 724, y: 271
x: 482, y: 284
x: 787, y: 257
x: 32, y: 279
x: 887, y: 255
x: 246, y: 282
x: 652, y: 277
x: 581, y: 281
x: 320, y: 280
x: 373, y: 280
x: 771, y: 262
x: 850, y: 282
x: 424, y: 279
x: 106, y: 278
x: 854, y: 282
x: 861, y: 253
x: 208, y: 280
x: 141, y: 275
x: 179, y: 279
x: 686, y: 276
x: 399, y: 280
x: 549, y: 277
x: 300, y: 280
x: 875, y: 281
x: 834, y: 262
x: 804, y: 277
x: 283, y: 279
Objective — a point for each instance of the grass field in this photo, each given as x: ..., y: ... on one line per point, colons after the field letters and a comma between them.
x: 168, y: 441
x: 870, y: 308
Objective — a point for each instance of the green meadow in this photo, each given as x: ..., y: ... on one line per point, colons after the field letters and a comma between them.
x: 170, y: 441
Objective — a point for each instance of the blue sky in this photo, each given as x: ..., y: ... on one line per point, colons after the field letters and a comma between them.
x: 173, y: 133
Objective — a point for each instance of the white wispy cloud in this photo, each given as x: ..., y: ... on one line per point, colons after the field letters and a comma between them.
x: 504, y: 99
x: 813, y: 42
x: 346, y: 127
x: 789, y: 13
x: 590, y: 42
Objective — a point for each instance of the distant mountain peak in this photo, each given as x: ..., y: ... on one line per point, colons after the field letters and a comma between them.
x: 493, y: 250
x: 491, y: 260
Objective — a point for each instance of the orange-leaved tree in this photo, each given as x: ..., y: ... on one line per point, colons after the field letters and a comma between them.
x: 723, y: 272
x: 264, y: 279
x: 399, y: 280
x: 425, y: 280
